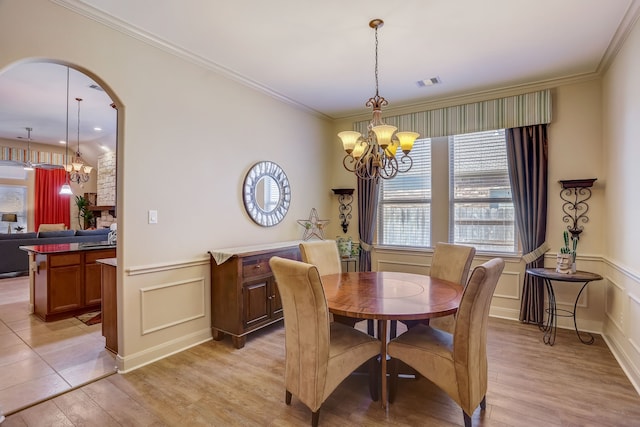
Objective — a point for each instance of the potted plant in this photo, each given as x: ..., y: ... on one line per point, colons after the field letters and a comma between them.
x: 86, y: 218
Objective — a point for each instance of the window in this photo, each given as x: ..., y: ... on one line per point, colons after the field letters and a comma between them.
x: 404, y: 212
x: 481, y: 208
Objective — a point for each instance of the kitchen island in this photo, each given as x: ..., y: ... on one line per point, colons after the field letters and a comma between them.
x: 65, y: 278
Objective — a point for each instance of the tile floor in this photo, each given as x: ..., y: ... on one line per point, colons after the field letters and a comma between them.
x: 39, y: 359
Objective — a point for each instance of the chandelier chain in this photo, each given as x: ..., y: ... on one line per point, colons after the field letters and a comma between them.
x: 376, y: 72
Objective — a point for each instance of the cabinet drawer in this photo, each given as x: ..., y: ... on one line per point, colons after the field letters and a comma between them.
x: 255, y: 266
x: 64, y: 259
x: 258, y: 265
x: 92, y: 256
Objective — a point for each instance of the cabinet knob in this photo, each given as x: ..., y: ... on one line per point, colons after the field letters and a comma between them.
x: 257, y: 266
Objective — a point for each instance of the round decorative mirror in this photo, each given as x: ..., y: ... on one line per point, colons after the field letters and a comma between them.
x: 266, y: 193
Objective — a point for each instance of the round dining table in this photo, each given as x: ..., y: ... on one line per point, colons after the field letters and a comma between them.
x: 386, y: 295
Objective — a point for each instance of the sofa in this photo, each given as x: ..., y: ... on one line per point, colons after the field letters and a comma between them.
x: 16, y: 261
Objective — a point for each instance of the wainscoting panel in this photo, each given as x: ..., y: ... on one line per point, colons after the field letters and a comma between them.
x: 615, y: 303
x: 622, y: 322
x: 166, y: 308
x: 508, y: 285
x: 180, y: 302
x: 402, y: 266
x: 634, y: 319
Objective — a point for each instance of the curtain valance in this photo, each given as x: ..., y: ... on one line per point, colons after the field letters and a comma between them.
x: 503, y: 113
x: 21, y: 155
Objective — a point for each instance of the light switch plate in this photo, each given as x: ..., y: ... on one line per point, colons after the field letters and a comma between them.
x: 153, y: 217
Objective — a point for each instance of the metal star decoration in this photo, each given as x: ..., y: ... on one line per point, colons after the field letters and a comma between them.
x: 313, y: 226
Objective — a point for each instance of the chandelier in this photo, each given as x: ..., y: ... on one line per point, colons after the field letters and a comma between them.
x: 374, y: 156
x: 78, y: 170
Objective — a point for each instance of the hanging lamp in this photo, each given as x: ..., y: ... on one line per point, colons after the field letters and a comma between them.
x: 78, y: 169
x: 28, y: 166
x: 374, y: 156
x: 66, y: 187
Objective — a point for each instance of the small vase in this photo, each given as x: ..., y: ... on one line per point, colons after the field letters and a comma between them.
x: 563, y: 263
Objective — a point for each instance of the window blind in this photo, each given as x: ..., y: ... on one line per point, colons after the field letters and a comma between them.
x: 404, y: 210
x: 481, y: 207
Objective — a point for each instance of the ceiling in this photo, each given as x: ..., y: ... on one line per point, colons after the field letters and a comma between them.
x: 320, y: 55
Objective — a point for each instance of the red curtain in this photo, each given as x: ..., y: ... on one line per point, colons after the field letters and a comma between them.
x: 50, y: 206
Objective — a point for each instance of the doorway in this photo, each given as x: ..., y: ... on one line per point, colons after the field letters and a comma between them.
x: 39, y: 360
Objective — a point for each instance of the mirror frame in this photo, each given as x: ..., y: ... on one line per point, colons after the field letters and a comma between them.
x: 257, y: 172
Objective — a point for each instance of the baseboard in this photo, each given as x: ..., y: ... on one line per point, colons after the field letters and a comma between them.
x: 504, y: 313
x: 150, y: 355
x: 625, y: 362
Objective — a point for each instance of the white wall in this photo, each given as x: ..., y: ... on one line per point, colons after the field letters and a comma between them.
x: 187, y: 136
x: 621, y: 232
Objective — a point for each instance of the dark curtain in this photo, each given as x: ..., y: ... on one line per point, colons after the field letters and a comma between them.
x: 368, y: 192
x: 50, y: 207
x: 527, y: 162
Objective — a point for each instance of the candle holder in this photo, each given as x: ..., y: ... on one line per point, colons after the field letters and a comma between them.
x: 575, y: 193
x: 345, y: 199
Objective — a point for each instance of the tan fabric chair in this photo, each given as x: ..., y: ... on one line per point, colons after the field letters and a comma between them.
x: 325, y: 256
x: 51, y: 227
x: 319, y: 354
x: 452, y: 263
x: 456, y: 363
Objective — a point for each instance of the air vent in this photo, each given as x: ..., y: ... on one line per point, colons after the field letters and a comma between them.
x: 96, y: 87
x: 429, y: 82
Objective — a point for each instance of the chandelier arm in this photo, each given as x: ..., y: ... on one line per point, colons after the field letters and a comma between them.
x: 405, y: 160
x: 351, y: 161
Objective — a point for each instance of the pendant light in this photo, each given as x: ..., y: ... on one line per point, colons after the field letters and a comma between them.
x: 28, y: 166
x: 66, y: 187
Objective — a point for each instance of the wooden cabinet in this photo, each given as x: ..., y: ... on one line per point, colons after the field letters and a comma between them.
x: 93, y: 274
x: 244, y: 294
x: 67, y: 283
x: 109, y: 304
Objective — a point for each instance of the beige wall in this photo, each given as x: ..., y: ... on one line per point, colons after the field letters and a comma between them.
x: 187, y: 137
x: 621, y: 232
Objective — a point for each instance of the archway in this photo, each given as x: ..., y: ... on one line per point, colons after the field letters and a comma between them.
x: 30, y: 80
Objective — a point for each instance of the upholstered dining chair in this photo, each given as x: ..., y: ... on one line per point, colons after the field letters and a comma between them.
x: 450, y: 262
x: 325, y: 256
x: 319, y: 354
x: 456, y: 363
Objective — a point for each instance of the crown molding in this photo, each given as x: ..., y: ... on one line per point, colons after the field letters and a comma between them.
x: 97, y: 15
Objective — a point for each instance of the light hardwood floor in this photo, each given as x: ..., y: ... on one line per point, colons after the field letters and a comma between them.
x: 41, y: 359
x: 213, y: 384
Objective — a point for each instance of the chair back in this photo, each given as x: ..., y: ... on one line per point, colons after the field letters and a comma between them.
x: 470, y: 334
x: 452, y: 262
x: 323, y: 254
x: 306, y: 324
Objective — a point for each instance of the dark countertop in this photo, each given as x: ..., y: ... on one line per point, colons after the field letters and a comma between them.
x: 67, y: 247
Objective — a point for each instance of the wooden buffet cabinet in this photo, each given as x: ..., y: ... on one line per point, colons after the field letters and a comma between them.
x: 244, y: 295
x: 66, y: 278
